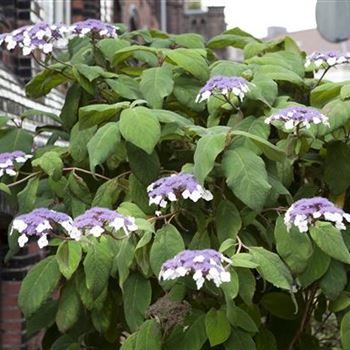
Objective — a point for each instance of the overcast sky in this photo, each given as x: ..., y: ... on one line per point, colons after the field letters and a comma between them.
x: 254, y: 16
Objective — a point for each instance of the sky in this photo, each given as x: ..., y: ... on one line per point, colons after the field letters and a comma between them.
x: 254, y: 16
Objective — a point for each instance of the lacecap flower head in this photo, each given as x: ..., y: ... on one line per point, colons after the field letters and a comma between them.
x: 306, y: 211
x: 327, y: 59
x: 39, y: 223
x: 298, y: 116
x: 93, y: 27
x: 96, y: 221
x: 220, y: 85
x: 8, y: 160
x: 175, y: 186
x: 38, y: 36
x: 204, y: 264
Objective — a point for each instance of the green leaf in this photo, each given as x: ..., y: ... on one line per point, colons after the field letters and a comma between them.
x: 280, y: 305
x: 68, y: 257
x: 65, y: 342
x: 189, y: 40
x: 289, y: 60
x: 44, y: 81
x: 99, y: 113
x: 228, y: 221
x: 246, y: 176
x: 247, y: 285
x: 144, y: 166
x: 190, y: 60
x: 334, y: 281
x: 263, y: 89
x: 51, y: 163
x: 265, y: 340
x: 97, y: 267
x: 167, y: 243
x: 149, y: 336
x: 338, y: 113
x: 123, y: 260
x: 244, y: 260
x: 78, y: 142
x: 340, y: 303
x: 69, y: 112
x: 90, y: 72
x: 270, y: 150
x: 330, y: 240
x: 107, y: 194
x: 294, y: 248
x: 103, y: 144
x: 240, y: 318
x: 78, y: 189
x: 253, y: 126
x: 137, y: 295
x: 279, y: 73
x: 109, y: 46
x: 16, y: 140
x: 133, y: 124
x: 68, y: 307
x: 4, y: 120
x: 165, y: 116
x: 38, y: 285
x: 271, y: 268
x: 5, y: 188
x: 317, y: 266
x: 224, y: 40
x: 345, y: 331
x: 193, y: 338
x: 324, y: 93
x: 42, y: 318
x: 28, y: 196
x: 337, y: 167
x: 345, y: 92
x: 240, y: 340
x: 185, y: 91
x: 130, y: 342
x: 208, y: 148
x: 217, y: 326
x: 156, y: 84
x: 125, y: 87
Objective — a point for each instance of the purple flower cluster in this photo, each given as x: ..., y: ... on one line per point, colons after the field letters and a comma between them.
x: 44, y: 36
x: 93, y: 27
x: 221, y: 85
x: 204, y: 264
x: 40, y: 222
x: 327, y: 59
x: 29, y: 38
x: 298, y: 116
x: 96, y: 220
x: 8, y: 160
x: 306, y: 211
x: 176, y: 185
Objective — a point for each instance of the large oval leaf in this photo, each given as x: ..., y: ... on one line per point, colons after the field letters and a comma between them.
x: 140, y: 127
x: 38, y: 284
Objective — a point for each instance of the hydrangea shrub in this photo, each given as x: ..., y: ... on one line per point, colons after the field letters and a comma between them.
x: 184, y: 201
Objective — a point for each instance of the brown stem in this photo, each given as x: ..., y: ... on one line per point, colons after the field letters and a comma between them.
x: 305, y: 318
x: 87, y: 172
x: 24, y: 179
x: 322, y: 76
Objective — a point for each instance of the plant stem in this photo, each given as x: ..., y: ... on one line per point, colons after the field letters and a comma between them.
x: 24, y: 179
x: 88, y: 172
x: 322, y: 76
x: 305, y: 318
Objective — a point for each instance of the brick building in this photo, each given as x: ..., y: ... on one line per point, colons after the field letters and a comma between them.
x: 174, y: 16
